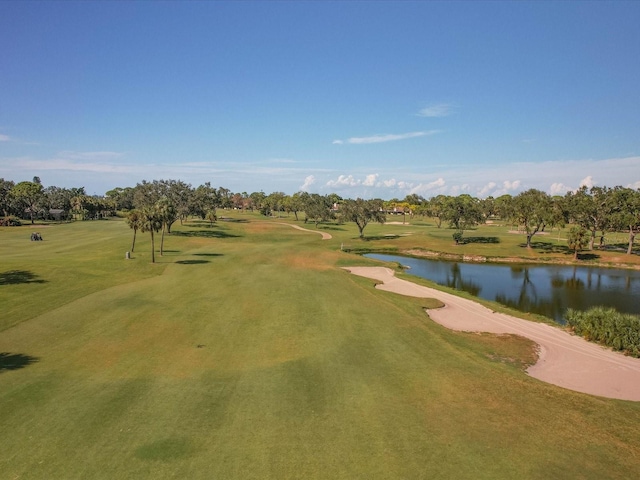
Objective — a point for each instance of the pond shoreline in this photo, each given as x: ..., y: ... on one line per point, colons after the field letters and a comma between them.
x: 457, y: 257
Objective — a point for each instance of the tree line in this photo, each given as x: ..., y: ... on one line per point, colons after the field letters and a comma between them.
x: 156, y: 205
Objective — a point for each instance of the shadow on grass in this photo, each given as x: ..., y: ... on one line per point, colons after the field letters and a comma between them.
x: 369, y: 238
x: 192, y: 262
x: 204, y: 234
x: 547, y: 247
x: 331, y: 227
x: 15, y: 361
x: 587, y: 256
x: 233, y: 220
x: 481, y: 240
x: 13, y: 277
x: 620, y: 247
x: 207, y: 254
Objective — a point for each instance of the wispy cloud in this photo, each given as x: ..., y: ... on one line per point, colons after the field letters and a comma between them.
x: 90, y: 156
x: 4, y: 138
x: 437, y: 110
x: 385, y: 138
x: 308, y: 181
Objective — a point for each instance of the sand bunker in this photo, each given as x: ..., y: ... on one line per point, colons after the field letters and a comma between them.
x: 565, y: 360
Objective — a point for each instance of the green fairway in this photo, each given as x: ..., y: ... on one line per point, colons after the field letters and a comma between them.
x: 247, y: 352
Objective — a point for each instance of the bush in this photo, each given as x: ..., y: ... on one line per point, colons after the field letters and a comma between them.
x: 10, y: 221
x: 620, y: 331
x: 457, y: 237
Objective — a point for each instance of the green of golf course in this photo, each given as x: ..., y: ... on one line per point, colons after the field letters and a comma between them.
x: 247, y: 352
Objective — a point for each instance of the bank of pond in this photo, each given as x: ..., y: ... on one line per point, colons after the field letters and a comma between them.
x: 548, y: 290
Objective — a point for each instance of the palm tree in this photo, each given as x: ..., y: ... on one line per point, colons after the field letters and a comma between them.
x: 134, y: 220
x: 577, y: 239
x: 151, y: 221
x: 167, y: 213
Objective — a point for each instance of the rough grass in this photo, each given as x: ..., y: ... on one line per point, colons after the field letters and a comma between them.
x: 245, y: 352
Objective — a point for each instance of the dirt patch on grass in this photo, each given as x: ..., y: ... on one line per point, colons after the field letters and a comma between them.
x: 320, y: 261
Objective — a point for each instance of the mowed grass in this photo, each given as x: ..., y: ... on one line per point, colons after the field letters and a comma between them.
x: 246, y: 352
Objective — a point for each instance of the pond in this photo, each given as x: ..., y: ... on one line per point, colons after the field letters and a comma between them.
x: 543, y: 289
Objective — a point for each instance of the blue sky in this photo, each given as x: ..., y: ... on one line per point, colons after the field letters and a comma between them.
x: 369, y: 99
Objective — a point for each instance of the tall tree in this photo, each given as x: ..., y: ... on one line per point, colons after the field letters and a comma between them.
x: 589, y: 209
x: 462, y: 212
x: 317, y: 208
x: 257, y: 199
x: 178, y: 194
x: 293, y: 203
x: 503, y: 207
x: 29, y: 196
x: 151, y: 221
x: 121, y: 198
x: 167, y: 213
x: 362, y: 212
x: 134, y: 220
x: 436, y: 208
x: 60, y: 198
x: 205, y: 199
x: 5, y: 196
x: 625, y: 207
x: 274, y: 203
x: 533, y: 210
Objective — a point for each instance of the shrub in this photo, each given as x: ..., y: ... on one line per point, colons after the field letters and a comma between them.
x: 10, y: 221
x: 620, y: 331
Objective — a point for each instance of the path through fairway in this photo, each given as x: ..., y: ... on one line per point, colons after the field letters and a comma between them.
x: 325, y: 236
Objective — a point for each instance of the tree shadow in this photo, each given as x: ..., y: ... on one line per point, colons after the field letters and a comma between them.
x: 233, y: 220
x: 207, y: 254
x: 588, y: 256
x: 481, y: 240
x: 369, y: 238
x: 192, y: 262
x: 204, y: 234
x: 331, y: 227
x: 547, y: 247
x: 15, y: 361
x: 13, y: 277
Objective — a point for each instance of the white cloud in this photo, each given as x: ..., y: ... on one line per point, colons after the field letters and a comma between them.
x: 438, y: 110
x: 4, y: 138
x: 343, y: 180
x: 634, y: 185
x: 510, y: 186
x: 370, y: 180
x: 389, y: 183
x: 308, y: 181
x: 456, y: 190
x: 559, y: 189
x: 435, y: 187
x: 587, y: 182
x: 385, y: 138
x: 486, y: 190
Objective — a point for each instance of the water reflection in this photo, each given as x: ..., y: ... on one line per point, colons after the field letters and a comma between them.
x: 456, y: 281
x: 543, y: 289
